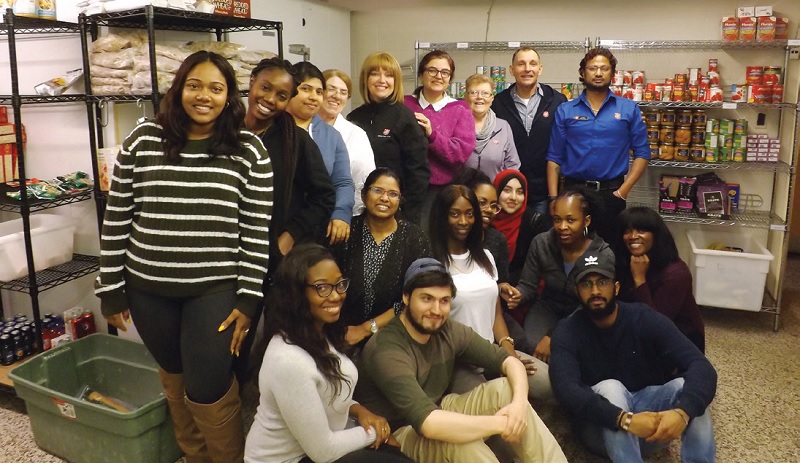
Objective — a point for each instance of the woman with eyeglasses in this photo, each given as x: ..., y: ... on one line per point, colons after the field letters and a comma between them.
x: 494, y: 148
x: 304, y: 107
x: 380, y: 250
x: 457, y: 242
x: 650, y: 271
x: 551, y: 258
x: 446, y: 121
x: 306, y: 410
x: 397, y: 140
x: 338, y: 89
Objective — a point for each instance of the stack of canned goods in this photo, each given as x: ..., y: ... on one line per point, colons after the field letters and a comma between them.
x: 726, y: 140
x: 676, y: 135
x: 19, y: 339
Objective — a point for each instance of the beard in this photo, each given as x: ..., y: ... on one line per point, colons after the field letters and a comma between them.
x: 599, y: 314
x: 589, y: 85
x: 418, y: 325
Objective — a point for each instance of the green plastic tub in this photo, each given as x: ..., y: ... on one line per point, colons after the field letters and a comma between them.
x: 84, y: 432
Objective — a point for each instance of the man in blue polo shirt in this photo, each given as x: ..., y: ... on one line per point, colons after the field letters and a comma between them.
x: 591, y: 142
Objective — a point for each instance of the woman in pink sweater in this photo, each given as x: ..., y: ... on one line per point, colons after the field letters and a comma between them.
x: 447, y: 122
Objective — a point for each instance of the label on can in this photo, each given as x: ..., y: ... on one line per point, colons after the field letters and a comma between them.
x: 25, y: 8
x: 637, y: 77
x: 759, y: 94
x: 777, y: 94
x: 618, y: 79
x: 754, y: 75
x: 46, y: 9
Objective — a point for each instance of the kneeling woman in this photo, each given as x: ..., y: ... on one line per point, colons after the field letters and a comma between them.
x: 306, y: 382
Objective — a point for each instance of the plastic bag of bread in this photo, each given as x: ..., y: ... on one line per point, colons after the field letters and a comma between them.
x: 254, y: 56
x: 140, y: 82
x: 163, y: 64
x: 122, y: 59
x: 112, y: 90
x: 171, y: 52
x: 101, y: 81
x: 226, y: 49
x: 110, y: 42
x: 100, y: 71
x: 136, y: 37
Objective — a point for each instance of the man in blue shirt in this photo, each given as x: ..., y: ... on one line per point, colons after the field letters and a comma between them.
x: 629, y: 380
x: 591, y: 142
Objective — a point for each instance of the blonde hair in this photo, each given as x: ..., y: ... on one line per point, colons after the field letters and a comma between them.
x: 476, y: 79
x: 376, y: 61
x: 340, y: 74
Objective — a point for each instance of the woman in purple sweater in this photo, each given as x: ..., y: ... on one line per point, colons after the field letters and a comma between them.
x: 651, y: 272
x: 447, y: 122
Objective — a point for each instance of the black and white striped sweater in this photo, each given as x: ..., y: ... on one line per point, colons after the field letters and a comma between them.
x: 186, y: 229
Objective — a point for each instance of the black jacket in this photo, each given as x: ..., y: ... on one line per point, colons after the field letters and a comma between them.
x: 312, y: 198
x: 532, y: 147
x: 399, y: 144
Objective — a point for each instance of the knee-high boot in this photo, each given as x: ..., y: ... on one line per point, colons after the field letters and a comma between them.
x: 221, y: 425
x: 188, y: 435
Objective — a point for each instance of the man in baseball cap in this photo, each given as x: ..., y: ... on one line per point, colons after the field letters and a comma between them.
x: 629, y: 380
x: 406, y: 369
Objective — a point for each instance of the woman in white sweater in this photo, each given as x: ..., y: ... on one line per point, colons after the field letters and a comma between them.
x: 306, y: 409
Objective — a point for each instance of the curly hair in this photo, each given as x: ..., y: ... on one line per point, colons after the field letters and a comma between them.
x: 226, y: 138
x: 288, y: 313
x: 594, y: 53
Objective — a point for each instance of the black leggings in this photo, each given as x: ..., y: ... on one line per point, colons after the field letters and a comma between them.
x: 181, y: 334
x: 384, y: 454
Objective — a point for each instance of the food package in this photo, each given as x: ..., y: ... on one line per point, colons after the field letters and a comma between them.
x: 171, y: 52
x: 60, y: 84
x: 141, y: 84
x: 100, y: 71
x: 8, y: 162
x: 226, y: 49
x: 8, y: 133
x: 730, y: 28
x: 686, y: 194
x: 253, y: 57
x: 122, y: 59
x: 766, y: 28
x: 106, y: 158
x: 110, y: 42
x: 163, y: 64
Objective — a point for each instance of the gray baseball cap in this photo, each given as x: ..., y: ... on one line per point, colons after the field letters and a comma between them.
x: 422, y: 265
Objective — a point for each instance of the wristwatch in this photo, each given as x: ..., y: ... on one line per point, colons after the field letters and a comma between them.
x: 373, y: 326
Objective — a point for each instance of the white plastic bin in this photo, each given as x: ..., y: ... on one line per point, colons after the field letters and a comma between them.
x: 732, y: 280
x: 52, y: 237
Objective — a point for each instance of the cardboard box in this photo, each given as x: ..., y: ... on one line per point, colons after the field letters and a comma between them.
x: 241, y: 8
x: 8, y: 133
x: 781, y: 28
x: 8, y: 162
x: 745, y: 12
x: 730, y: 30
x: 223, y: 7
x: 766, y: 28
x: 765, y: 10
x: 747, y: 29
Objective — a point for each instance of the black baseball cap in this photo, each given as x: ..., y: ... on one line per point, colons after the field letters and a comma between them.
x: 593, y: 263
x: 422, y: 265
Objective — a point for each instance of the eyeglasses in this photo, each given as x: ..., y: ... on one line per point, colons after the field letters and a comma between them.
x: 325, y: 289
x: 474, y: 93
x: 336, y: 91
x: 379, y: 192
x: 601, y: 283
x: 494, y: 207
x: 433, y: 72
x: 598, y: 68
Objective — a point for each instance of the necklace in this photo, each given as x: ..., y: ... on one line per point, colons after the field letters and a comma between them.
x: 460, y: 270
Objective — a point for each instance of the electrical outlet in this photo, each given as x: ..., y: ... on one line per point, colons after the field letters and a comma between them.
x: 794, y: 53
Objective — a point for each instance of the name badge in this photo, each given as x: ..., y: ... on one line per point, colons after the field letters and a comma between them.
x: 581, y: 118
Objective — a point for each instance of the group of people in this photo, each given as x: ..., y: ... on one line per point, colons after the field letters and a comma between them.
x: 410, y: 278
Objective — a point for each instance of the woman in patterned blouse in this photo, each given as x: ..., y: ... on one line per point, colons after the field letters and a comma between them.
x: 380, y: 249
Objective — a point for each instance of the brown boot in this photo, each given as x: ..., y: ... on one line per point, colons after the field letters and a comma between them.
x: 188, y: 435
x: 221, y: 424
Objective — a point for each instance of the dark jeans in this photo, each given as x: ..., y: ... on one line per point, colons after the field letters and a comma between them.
x: 384, y: 454
x: 181, y: 334
x: 604, y: 220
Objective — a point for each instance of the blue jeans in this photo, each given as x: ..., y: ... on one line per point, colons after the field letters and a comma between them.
x: 697, y: 441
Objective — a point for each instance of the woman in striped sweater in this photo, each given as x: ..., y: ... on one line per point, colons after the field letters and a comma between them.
x: 184, y: 249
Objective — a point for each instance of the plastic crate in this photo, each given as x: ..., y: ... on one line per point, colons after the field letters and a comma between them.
x: 51, y: 238
x: 83, y: 432
x: 731, y: 280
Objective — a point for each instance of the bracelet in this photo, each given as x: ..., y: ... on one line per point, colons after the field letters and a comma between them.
x: 683, y: 416
x: 628, y: 419
x: 620, y: 196
x: 507, y: 338
x: 619, y: 419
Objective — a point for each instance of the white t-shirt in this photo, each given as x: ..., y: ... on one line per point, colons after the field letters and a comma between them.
x: 476, y: 294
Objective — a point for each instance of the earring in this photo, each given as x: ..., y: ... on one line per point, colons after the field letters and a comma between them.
x: 585, y: 231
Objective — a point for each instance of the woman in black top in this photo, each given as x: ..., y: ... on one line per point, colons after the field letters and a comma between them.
x: 397, y: 140
x: 380, y: 250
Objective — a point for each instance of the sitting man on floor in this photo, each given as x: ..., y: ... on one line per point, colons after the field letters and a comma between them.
x: 406, y: 368
x: 630, y: 381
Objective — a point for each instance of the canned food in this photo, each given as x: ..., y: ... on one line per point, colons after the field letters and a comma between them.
x: 618, y: 79
x: 684, y: 117
x: 726, y: 126
x: 711, y: 140
x: 772, y: 75
x: 725, y: 154
x: 653, y: 133
x: 667, y: 151
x: 713, y: 77
x: 694, y: 76
x: 681, y: 151
x: 739, y: 93
x: 699, y: 117
x: 627, y: 77
x: 694, y: 90
x: 667, y: 134
x: 668, y: 117
x: 25, y: 8
x: 740, y: 126
x: 654, y: 150
x: 666, y: 92
x: 637, y: 77
x: 683, y: 134
x: 627, y: 92
x: 712, y: 126
x: 678, y: 92
x: 652, y: 117
x: 7, y: 355
x: 712, y: 154
x: 739, y: 154
x: 697, y: 153
x: 482, y: 70
x: 638, y: 92
x: 754, y: 75
x: 759, y: 94
x: 712, y: 64
x: 19, y: 351
x: 698, y: 135
x: 777, y: 94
